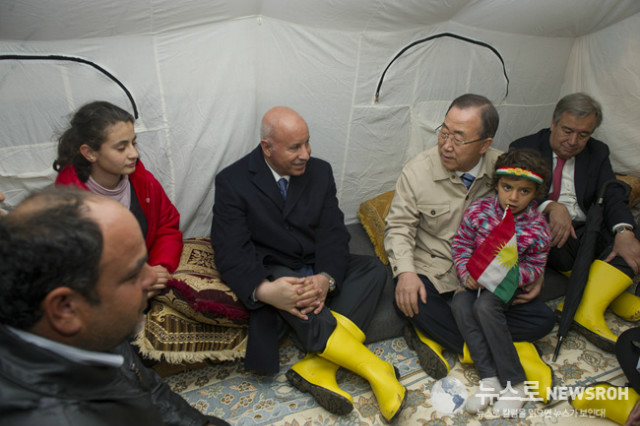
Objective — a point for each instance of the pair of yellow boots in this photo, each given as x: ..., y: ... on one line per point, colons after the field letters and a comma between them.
x: 434, y: 363
x: 603, y: 399
x: 605, y: 288
x: 316, y: 373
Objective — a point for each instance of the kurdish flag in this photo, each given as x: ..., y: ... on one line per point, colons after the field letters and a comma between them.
x: 494, y: 264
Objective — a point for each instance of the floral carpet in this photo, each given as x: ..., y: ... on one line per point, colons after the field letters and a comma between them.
x: 228, y: 391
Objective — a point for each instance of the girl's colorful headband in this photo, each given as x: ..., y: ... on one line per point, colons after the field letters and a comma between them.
x: 517, y: 171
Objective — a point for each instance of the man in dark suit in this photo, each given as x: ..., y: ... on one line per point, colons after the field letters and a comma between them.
x: 281, y: 245
x: 581, y: 167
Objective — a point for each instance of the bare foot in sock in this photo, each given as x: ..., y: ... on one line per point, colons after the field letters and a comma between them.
x: 510, y: 402
x: 489, y: 391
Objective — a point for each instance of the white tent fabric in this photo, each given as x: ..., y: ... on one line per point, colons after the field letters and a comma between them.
x: 203, y: 72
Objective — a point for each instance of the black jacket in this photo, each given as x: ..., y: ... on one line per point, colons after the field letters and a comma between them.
x: 39, y: 387
x: 253, y: 227
x: 592, y: 170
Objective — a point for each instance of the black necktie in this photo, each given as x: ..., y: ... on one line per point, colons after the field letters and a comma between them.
x: 282, y: 184
x: 467, y: 179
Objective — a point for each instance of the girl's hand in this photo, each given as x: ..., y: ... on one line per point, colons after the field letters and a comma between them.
x: 472, y: 284
x: 162, y: 276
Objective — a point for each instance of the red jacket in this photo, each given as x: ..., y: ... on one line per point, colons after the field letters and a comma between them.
x: 164, y: 238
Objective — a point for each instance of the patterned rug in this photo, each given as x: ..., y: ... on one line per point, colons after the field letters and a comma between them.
x: 228, y: 391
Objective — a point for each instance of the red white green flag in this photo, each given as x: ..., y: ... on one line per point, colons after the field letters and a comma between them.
x: 494, y: 264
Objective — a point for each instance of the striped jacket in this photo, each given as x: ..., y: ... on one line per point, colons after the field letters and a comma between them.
x: 532, y: 233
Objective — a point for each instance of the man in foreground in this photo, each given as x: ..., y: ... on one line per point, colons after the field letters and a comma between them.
x: 281, y: 245
x: 73, y: 289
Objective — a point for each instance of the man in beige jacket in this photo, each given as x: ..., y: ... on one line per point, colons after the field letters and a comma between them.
x: 432, y: 193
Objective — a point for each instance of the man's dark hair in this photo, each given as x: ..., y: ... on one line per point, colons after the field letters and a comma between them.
x: 528, y: 159
x: 50, y: 244
x: 488, y: 112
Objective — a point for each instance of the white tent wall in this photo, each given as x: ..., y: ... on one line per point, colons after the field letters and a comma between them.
x: 210, y: 92
x: 196, y: 97
x: 202, y: 74
x: 606, y: 64
x: 38, y: 97
x: 420, y: 86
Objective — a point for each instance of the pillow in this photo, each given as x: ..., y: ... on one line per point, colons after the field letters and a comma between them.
x: 372, y: 214
x: 197, y: 292
x: 172, y: 337
x: 634, y: 183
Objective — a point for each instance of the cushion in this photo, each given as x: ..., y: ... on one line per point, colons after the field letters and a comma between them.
x: 197, y: 292
x: 372, y: 215
x: 634, y: 183
x: 170, y: 336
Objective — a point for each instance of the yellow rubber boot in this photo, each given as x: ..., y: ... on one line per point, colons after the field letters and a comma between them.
x: 626, y: 306
x: 605, y: 284
x: 429, y: 353
x: 465, y: 356
x: 613, y: 402
x: 538, y: 373
x: 317, y: 376
x: 489, y: 387
x: 535, y: 369
x: 346, y: 351
x: 353, y: 329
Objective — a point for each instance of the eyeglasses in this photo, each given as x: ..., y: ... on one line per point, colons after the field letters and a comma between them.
x: 443, y: 136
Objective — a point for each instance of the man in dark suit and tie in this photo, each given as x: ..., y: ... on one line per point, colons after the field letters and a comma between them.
x: 581, y: 166
x: 281, y: 245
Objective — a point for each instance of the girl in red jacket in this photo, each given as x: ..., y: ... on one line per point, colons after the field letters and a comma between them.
x: 98, y: 153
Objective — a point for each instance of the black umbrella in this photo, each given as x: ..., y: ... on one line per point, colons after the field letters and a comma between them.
x: 582, y: 263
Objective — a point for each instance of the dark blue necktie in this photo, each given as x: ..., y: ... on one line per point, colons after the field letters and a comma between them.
x: 467, y: 179
x: 282, y: 184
